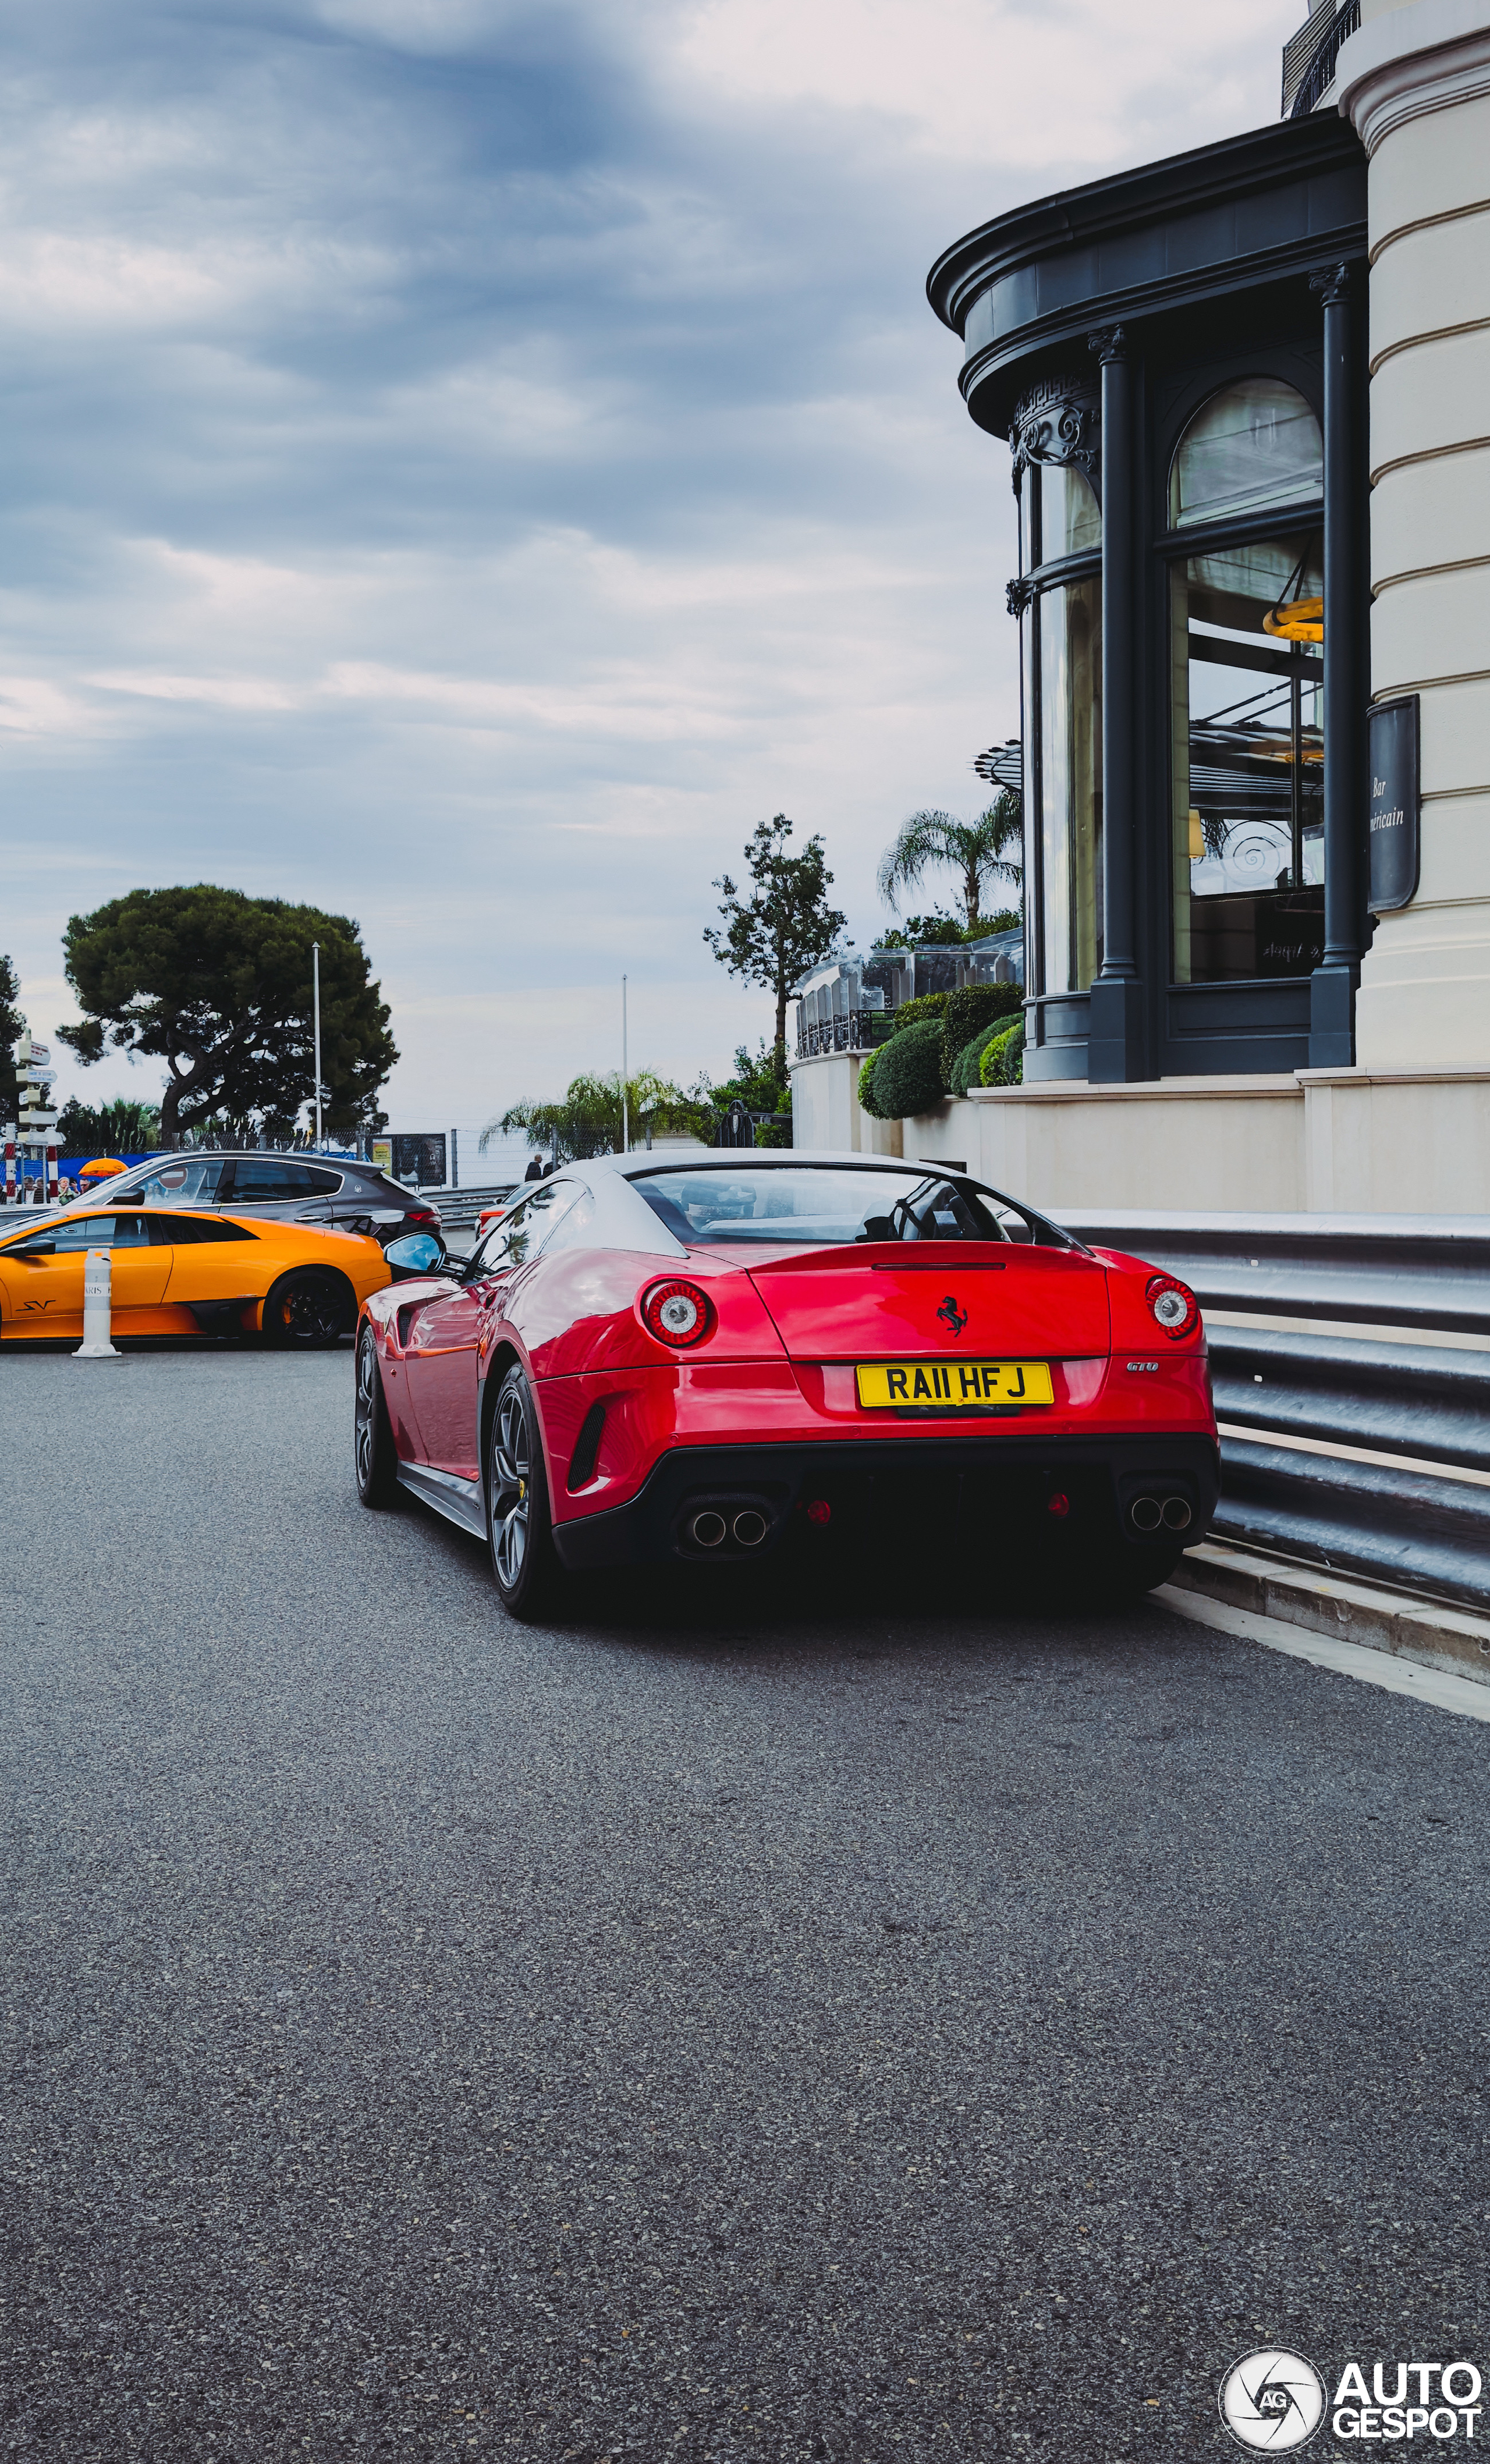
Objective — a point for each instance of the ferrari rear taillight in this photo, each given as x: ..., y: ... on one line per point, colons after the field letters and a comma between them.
x: 1171, y: 1305
x: 677, y: 1313
x: 421, y: 1214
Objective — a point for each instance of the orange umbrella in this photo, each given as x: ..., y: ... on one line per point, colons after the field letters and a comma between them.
x: 101, y: 1168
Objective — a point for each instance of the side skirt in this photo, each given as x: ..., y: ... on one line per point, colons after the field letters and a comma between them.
x: 458, y: 1500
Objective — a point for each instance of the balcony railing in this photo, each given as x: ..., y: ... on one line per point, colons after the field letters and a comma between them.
x: 849, y: 1031
x: 1309, y: 66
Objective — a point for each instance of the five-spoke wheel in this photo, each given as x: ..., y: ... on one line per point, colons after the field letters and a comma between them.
x: 307, y: 1311
x: 372, y: 1439
x: 517, y: 1516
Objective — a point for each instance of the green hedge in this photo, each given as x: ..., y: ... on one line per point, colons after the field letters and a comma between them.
x: 912, y: 1013
x: 907, y: 1072
x: 968, y: 1011
x: 868, y: 1102
x: 1003, y: 1058
x: 965, y: 1069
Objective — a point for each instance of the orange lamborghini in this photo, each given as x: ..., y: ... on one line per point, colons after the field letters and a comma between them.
x: 177, y: 1271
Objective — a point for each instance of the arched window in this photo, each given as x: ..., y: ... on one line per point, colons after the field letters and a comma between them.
x: 1253, y: 447
x: 1246, y: 690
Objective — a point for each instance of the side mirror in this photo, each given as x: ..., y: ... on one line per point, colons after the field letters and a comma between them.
x: 418, y: 1253
x: 35, y: 1249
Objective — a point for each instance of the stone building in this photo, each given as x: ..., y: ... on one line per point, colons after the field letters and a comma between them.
x: 1242, y: 394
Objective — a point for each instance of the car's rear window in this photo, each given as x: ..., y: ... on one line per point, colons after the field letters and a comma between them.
x: 800, y: 1204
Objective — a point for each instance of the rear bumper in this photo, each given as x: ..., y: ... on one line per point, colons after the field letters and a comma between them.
x: 963, y: 1489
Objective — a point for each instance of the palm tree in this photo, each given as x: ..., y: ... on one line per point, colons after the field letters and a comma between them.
x: 977, y: 850
x: 587, y: 1121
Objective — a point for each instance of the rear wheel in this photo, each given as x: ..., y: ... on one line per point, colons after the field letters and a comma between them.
x: 374, y: 1452
x: 519, y: 1528
x: 306, y: 1310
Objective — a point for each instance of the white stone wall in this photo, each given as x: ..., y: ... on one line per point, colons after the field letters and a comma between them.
x: 1322, y: 1141
x: 1415, y: 83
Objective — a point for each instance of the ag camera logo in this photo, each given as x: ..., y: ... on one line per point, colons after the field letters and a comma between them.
x: 1272, y: 2401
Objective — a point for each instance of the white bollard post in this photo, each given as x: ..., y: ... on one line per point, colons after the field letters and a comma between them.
x: 97, y: 1308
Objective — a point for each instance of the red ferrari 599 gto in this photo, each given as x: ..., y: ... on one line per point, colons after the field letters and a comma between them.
x: 699, y: 1360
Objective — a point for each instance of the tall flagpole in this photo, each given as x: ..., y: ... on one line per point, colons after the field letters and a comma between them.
x: 315, y: 966
x: 625, y: 1111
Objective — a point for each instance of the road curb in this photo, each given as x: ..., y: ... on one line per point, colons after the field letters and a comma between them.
x: 1427, y: 1631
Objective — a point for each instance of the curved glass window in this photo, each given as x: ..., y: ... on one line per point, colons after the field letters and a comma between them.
x: 1061, y: 659
x: 1069, y: 669
x: 1247, y: 711
x: 1253, y: 447
x: 1070, y: 518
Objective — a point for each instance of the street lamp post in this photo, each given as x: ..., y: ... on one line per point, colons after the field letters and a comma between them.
x: 626, y: 1112
x: 316, y: 980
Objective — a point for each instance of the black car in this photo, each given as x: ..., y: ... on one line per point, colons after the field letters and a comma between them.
x: 293, y: 1188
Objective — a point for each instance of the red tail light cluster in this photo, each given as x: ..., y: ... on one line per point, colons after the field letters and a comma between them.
x: 1173, y: 1304
x: 677, y: 1313
x: 421, y: 1215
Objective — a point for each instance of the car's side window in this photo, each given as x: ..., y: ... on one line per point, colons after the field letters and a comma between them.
x: 79, y: 1232
x: 181, y: 1180
x: 192, y: 1231
x: 99, y: 1232
x: 568, y: 1229
x: 549, y: 1207
x: 529, y: 1228
x: 491, y: 1253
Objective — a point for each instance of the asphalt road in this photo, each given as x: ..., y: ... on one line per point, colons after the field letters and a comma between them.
x: 748, y: 2027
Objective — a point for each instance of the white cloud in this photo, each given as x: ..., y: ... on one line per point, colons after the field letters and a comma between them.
x: 1002, y: 83
x: 467, y: 463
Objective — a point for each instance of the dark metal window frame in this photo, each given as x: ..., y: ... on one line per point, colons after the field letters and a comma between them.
x: 1203, y: 539
x: 1035, y: 579
x: 1249, y: 1024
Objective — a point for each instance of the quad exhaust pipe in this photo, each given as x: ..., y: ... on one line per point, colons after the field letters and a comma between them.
x: 1148, y: 1513
x: 708, y: 1528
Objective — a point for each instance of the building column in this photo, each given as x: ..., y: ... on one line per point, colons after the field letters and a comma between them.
x: 1347, y: 675
x: 1115, y: 1045
x: 1416, y: 83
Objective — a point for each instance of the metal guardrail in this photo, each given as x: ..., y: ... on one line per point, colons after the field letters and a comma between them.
x: 459, y: 1208
x: 1330, y: 1436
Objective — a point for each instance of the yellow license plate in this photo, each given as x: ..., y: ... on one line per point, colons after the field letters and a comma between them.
x: 962, y: 1385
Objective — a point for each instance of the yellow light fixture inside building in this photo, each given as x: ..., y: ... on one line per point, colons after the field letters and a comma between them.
x: 1196, y: 837
x: 1302, y: 620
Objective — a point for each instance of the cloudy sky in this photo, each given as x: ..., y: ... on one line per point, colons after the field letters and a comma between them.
x: 464, y: 463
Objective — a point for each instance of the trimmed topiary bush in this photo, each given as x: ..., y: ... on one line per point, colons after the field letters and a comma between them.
x: 911, y: 1013
x: 867, y: 1100
x: 969, y: 1009
x: 1003, y: 1058
x: 907, y: 1072
x: 965, y: 1069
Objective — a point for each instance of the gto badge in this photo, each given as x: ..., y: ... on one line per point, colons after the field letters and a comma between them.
x: 952, y: 1316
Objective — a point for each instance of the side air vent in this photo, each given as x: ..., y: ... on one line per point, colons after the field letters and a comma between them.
x: 581, y: 1462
